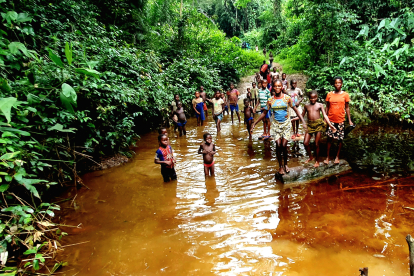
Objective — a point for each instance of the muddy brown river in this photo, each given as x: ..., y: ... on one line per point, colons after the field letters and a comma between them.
x: 242, y: 222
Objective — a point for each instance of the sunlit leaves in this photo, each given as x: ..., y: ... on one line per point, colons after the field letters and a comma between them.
x: 55, y: 58
x: 5, y: 106
x: 68, y: 97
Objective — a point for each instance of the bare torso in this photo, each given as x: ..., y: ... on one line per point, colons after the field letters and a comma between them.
x: 208, y: 151
x: 314, y: 111
x: 180, y: 115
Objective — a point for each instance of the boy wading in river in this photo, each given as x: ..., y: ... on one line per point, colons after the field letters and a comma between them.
x: 233, y: 95
x: 181, y: 120
x: 165, y: 156
x: 208, y: 149
x: 316, y: 125
x: 248, y: 116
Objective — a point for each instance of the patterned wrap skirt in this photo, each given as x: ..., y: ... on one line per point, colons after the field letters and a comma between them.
x: 340, y: 131
x: 281, y: 130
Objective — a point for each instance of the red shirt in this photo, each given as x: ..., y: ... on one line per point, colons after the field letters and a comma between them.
x: 337, y: 102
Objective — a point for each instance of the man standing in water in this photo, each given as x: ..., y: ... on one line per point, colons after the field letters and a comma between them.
x: 233, y: 95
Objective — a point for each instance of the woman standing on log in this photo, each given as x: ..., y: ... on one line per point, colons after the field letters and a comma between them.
x: 337, y: 104
x: 279, y: 103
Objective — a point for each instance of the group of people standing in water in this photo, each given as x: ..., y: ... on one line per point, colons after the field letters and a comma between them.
x: 281, y: 109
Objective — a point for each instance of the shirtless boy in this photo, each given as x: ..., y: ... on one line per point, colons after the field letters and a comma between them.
x: 181, y: 119
x: 203, y: 95
x: 233, y: 95
x: 248, y: 116
x: 316, y: 125
x: 249, y: 95
x: 208, y: 149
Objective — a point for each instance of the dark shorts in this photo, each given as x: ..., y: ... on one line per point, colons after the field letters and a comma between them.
x: 168, y: 173
x: 340, y: 131
x: 181, y: 124
x: 234, y: 108
x: 218, y: 117
x: 267, y: 115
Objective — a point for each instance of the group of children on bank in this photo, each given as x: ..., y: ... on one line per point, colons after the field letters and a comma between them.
x: 281, y: 109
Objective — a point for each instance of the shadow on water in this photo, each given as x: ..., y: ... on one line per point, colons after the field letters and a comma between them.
x: 242, y: 222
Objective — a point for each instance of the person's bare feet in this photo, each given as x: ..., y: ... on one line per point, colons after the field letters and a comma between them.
x: 281, y: 171
x: 310, y: 159
x: 336, y: 160
x: 287, y: 170
x: 316, y: 164
x: 326, y: 161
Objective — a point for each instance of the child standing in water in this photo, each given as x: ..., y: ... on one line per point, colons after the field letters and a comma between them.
x: 297, y: 96
x: 315, y: 124
x: 249, y: 95
x: 337, y: 103
x: 181, y: 119
x: 198, y: 105
x: 204, y: 96
x: 255, y: 94
x: 165, y: 156
x: 264, y: 96
x: 248, y: 116
x: 208, y: 149
x: 218, y: 109
x: 233, y: 95
x: 226, y: 107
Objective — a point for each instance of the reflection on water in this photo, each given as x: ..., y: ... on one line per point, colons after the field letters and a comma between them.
x: 239, y: 223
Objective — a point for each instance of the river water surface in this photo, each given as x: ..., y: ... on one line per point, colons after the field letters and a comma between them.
x: 242, y: 222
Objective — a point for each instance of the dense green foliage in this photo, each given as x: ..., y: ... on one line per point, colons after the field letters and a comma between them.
x: 368, y: 43
x: 80, y: 79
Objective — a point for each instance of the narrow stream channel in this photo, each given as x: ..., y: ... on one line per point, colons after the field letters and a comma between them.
x: 242, y: 222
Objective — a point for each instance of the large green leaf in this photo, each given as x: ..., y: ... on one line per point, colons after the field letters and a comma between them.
x: 11, y: 129
x: 9, y: 155
x: 68, y: 97
x: 59, y: 127
x: 14, y: 48
x: 88, y: 72
x: 379, y: 70
x: 11, y: 16
x: 28, y: 183
x: 68, y: 52
x: 23, y: 17
x: 6, y: 105
x: 55, y: 58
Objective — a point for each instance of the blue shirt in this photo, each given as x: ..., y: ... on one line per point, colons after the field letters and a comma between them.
x: 280, y: 107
